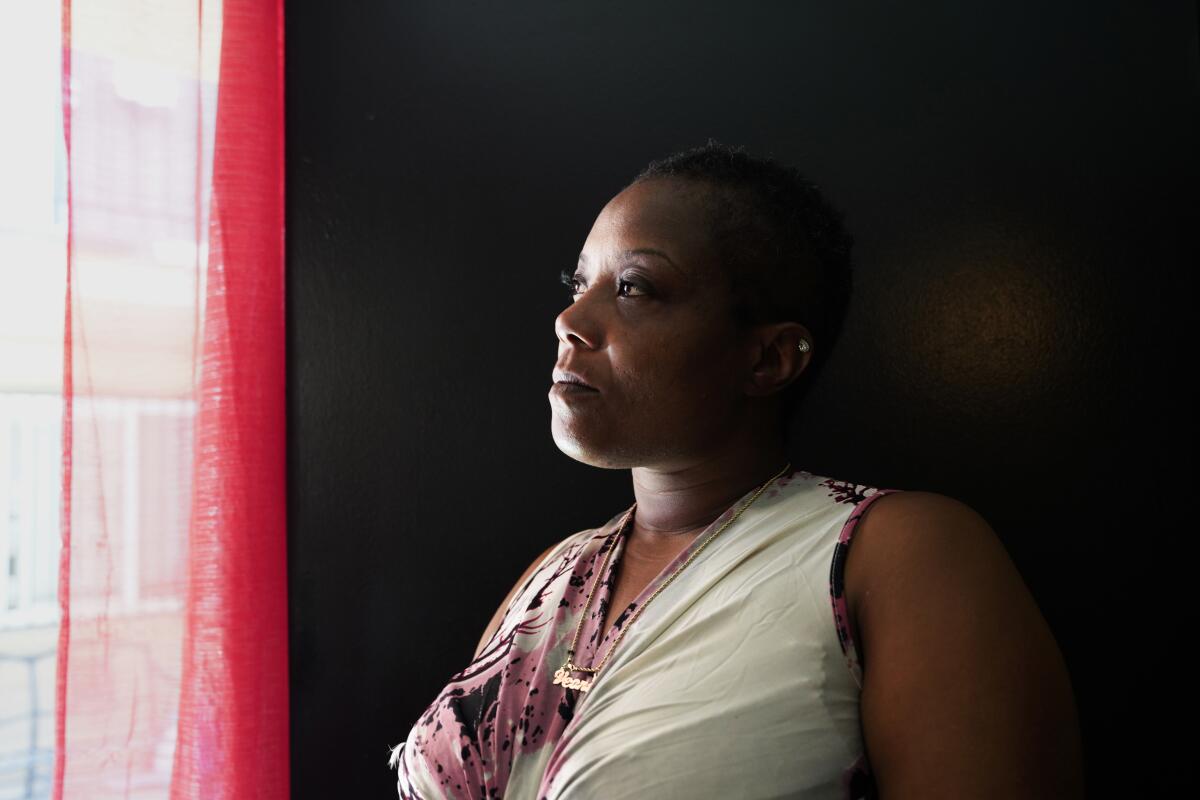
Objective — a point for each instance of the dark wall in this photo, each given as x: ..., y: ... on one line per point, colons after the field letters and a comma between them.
x: 1020, y: 178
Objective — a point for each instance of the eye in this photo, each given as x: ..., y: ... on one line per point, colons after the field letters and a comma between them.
x: 570, y: 281
x: 634, y: 286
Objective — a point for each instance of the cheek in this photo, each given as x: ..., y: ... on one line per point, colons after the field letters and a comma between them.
x: 710, y: 380
x: 675, y: 374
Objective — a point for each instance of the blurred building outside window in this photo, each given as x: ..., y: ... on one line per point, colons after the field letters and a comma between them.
x: 138, y: 252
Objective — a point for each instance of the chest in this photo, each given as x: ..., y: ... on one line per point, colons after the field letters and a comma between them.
x: 637, y: 566
x: 744, y: 642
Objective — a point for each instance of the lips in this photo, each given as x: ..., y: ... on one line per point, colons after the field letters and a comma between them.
x: 566, y: 376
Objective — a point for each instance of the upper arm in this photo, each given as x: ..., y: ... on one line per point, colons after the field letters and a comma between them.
x: 965, y: 692
x: 498, y: 617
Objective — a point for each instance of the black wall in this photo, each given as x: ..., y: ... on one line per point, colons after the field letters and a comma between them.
x: 1020, y: 178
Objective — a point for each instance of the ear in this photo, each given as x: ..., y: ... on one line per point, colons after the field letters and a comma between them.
x: 775, y: 356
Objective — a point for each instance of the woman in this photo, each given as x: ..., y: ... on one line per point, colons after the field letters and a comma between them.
x: 720, y: 638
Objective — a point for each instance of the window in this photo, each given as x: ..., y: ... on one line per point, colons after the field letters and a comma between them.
x: 141, y: 156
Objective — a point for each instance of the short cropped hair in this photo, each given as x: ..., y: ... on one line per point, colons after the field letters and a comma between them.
x: 780, y: 242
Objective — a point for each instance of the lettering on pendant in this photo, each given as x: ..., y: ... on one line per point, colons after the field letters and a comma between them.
x: 563, y: 678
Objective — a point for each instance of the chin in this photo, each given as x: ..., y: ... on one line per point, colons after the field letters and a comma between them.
x: 585, y: 449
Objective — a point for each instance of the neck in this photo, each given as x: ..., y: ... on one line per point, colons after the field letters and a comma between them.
x: 685, y: 499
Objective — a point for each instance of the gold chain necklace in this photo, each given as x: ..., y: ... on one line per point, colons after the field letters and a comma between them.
x: 562, y: 675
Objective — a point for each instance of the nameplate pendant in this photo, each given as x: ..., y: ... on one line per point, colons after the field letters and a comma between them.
x: 563, y: 678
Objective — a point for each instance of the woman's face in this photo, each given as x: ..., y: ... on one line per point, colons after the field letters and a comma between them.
x: 649, y: 327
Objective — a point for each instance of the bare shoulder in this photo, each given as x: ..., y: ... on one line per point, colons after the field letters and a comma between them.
x: 900, y: 526
x: 965, y: 691
x: 900, y: 534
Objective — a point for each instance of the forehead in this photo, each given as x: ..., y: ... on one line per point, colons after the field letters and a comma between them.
x: 660, y: 213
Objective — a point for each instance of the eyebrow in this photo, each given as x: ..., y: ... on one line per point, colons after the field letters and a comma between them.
x: 649, y: 251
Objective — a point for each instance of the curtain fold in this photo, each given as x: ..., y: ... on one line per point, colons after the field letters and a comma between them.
x: 172, y: 674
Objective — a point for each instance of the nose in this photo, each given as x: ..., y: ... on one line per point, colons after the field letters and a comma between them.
x: 574, y: 327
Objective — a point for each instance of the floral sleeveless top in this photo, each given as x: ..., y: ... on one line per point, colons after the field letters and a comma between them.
x: 741, y: 679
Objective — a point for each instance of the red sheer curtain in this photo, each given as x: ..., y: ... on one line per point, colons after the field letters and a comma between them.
x: 172, y: 672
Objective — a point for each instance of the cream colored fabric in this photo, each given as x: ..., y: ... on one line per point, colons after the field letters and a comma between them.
x: 732, y: 683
